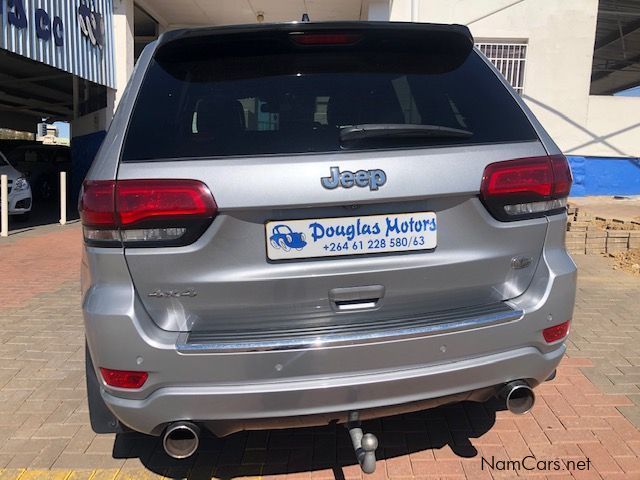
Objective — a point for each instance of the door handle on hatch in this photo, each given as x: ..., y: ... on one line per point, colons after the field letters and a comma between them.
x: 355, y: 298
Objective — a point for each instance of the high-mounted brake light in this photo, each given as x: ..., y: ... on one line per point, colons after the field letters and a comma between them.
x: 526, y: 187
x: 309, y: 39
x: 145, y: 212
x: 123, y: 378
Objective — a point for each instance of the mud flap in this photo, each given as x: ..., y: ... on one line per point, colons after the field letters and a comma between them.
x: 101, y: 418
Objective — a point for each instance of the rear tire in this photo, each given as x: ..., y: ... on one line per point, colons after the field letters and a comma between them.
x: 101, y: 418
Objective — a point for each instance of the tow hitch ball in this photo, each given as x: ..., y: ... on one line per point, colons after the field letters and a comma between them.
x: 364, y: 445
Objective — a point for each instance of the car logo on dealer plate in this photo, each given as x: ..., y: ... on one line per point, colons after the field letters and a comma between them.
x: 374, y: 179
x: 284, y: 238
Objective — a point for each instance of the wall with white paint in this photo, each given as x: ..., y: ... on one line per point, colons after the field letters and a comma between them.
x: 560, y: 38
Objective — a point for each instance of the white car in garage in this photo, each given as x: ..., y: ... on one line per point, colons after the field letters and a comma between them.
x: 20, y: 200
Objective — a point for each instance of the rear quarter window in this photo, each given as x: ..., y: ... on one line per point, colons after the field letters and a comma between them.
x: 202, y: 105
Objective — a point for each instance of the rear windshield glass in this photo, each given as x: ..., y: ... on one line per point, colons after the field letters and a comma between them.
x: 198, y: 105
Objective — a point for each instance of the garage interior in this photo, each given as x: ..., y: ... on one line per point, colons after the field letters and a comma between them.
x: 32, y: 93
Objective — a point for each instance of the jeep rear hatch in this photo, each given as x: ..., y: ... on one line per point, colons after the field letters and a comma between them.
x: 253, y: 118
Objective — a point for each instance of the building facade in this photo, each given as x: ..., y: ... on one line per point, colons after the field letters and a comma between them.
x: 57, y: 64
x: 567, y: 59
x: 70, y: 60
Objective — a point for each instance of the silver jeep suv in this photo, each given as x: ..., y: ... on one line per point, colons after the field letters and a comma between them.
x: 308, y: 223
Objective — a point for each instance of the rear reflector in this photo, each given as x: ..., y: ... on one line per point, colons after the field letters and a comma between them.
x: 325, y: 38
x: 526, y: 187
x: 144, y: 212
x: 557, y: 332
x: 123, y: 378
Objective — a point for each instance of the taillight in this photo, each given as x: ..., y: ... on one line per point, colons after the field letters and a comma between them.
x: 526, y: 187
x: 557, y: 332
x: 145, y: 212
x: 336, y: 38
x: 123, y: 378
x: 97, y: 203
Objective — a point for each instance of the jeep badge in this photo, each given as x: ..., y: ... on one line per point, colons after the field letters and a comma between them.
x: 374, y: 179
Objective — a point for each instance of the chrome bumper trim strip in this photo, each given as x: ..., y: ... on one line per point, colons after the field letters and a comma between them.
x: 194, y: 343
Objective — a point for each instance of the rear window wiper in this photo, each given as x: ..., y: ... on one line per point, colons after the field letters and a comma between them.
x: 399, y: 130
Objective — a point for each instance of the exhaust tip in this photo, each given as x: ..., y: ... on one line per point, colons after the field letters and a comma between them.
x: 181, y: 440
x: 518, y: 396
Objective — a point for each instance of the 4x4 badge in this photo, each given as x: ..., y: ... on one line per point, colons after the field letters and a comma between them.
x: 189, y: 292
x: 362, y: 178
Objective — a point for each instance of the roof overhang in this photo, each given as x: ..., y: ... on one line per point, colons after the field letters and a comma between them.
x: 616, y: 55
x: 31, y: 91
x: 193, y: 13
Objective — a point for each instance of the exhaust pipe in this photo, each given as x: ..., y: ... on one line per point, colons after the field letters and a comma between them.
x: 518, y: 396
x: 181, y: 439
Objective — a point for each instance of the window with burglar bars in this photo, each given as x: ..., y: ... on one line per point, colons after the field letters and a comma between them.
x: 509, y: 58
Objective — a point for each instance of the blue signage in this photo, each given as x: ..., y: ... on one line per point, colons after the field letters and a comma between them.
x: 17, y: 16
x: 45, y: 26
x: 91, y: 23
x: 75, y: 36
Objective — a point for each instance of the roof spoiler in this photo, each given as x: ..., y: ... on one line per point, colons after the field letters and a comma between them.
x: 297, y: 27
x: 451, y: 43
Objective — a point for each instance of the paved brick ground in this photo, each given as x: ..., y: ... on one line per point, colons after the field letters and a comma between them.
x: 607, y: 330
x: 591, y: 410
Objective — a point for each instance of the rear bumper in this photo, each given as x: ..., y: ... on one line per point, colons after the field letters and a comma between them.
x: 234, y: 407
x: 249, y: 389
